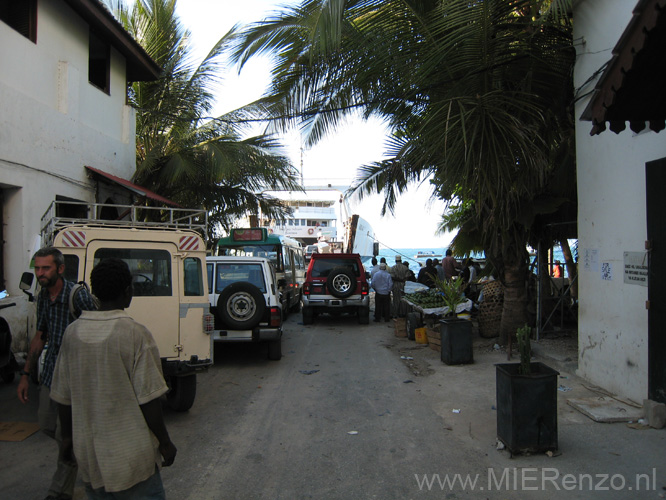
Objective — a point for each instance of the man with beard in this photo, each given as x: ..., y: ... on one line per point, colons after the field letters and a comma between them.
x: 53, y: 317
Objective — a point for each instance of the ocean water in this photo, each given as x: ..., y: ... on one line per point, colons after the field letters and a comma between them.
x: 409, y: 255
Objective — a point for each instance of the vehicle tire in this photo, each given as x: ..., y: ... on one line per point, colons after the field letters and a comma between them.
x: 297, y: 306
x: 241, y: 306
x: 275, y: 350
x: 413, y: 321
x: 363, y: 315
x: 341, y: 282
x: 182, y: 393
x: 285, y: 309
x: 308, y: 315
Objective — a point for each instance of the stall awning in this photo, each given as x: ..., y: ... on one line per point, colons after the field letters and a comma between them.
x: 633, y: 86
x: 134, y: 188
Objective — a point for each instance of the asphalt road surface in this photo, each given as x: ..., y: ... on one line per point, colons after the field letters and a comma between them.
x: 352, y: 412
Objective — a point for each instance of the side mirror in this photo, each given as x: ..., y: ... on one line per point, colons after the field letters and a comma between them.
x: 26, y: 284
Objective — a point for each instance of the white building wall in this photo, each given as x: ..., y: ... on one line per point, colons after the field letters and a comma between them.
x: 53, y: 123
x: 613, y: 321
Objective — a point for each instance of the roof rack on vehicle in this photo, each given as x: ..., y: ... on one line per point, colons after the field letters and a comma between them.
x: 63, y: 213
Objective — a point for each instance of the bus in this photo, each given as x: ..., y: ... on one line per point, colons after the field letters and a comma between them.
x: 285, y: 253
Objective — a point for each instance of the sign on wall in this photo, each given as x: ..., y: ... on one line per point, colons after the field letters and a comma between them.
x: 636, y: 268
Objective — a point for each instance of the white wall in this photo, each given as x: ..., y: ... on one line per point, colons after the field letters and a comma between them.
x: 612, y: 323
x: 53, y: 123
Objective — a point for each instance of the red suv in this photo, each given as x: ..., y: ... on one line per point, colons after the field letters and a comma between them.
x: 336, y: 283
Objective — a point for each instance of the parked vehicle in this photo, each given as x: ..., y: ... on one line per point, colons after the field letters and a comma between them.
x: 285, y: 253
x: 8, y: 364
x: 165, y: 251
x: 244, y: 299
x: 309, y: 250
x: 336, y: 283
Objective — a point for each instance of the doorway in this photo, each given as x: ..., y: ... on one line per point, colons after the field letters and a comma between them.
x: 655, y: 177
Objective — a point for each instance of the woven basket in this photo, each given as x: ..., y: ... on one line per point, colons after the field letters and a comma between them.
x: 490, y: 310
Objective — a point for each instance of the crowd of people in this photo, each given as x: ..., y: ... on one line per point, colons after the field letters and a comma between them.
x: 389, y: 282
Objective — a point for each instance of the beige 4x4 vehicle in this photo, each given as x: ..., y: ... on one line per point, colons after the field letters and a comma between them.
x: 168, y: 262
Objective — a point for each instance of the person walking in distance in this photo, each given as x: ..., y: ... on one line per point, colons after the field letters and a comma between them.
x: 108, y: 382
x: 450, y: 265
x: 382, y: 285
x: 53, y: 316
x: 399, y: 275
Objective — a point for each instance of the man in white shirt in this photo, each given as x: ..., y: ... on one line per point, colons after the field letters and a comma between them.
x: 108, y: 381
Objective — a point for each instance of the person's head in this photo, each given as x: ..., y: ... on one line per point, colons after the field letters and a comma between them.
x: 49, y: 266
x: 428, y: 262
x: 374, y: 261
x: 435, y: 262
x: 382, y: 260
x: 398, y: 259
x: 111, y: 283
x: 557, y: 262
x: 406, y: 264
x: 382, y: 266
x: 449, y: 252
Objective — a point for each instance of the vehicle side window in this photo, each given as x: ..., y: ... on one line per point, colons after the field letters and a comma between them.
x: 193, y: 277
x: 71, y: 268
x: 151, y: 269
x: 209, y: 269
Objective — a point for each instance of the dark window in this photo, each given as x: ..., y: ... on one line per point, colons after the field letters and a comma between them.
x: 151, y: 269
x: 99, y: 62
x: 193, y: 277
x: 20, y: 15
x: 322, y: 267
x: 71, y: 268
x: 233, y: 273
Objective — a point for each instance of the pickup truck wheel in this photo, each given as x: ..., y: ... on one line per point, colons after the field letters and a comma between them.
x: 241, y: 306
x: 363, y: 315
x: 183, y: 390
x: 308, y: 315
x: 341, y: 282
x: 275, y: 350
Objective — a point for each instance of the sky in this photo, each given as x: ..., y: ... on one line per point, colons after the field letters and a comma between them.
x: 335, y: 158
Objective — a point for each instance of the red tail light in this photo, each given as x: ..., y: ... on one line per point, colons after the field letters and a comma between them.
x: 306, y: 288
x: 365, y: 289
x: 276, y: 317
x: 208, y: 323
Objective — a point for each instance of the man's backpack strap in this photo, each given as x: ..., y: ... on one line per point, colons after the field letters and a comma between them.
x: 81, y: 285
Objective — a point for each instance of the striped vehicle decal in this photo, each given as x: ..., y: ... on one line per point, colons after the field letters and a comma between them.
x: 188, y: 243
x: 74, y: 238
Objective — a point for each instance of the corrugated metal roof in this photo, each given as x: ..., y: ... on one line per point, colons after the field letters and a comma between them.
x: 135, y: 188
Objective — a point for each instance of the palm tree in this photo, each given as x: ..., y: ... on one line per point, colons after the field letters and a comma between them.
x: 478, y: 95
x: 182, y: 153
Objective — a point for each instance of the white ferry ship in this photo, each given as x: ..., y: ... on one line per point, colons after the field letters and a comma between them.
x: 321, y: 216
x: 427, y: 255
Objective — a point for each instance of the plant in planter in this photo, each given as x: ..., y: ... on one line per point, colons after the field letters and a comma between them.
x: 526, y: 395
x: 456, y: 333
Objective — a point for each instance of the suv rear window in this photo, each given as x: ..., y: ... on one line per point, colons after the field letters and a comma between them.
x: 231, y: 273
x: 322, y: 267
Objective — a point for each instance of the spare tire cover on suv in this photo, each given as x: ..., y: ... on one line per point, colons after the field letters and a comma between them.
x: 341, y: 282
x: 241, y: 306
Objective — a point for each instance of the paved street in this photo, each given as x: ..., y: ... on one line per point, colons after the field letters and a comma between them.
x: 343, y: 416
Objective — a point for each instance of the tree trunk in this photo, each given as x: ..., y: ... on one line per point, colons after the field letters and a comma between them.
x: 572, y: 269
x: 514, y: 313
